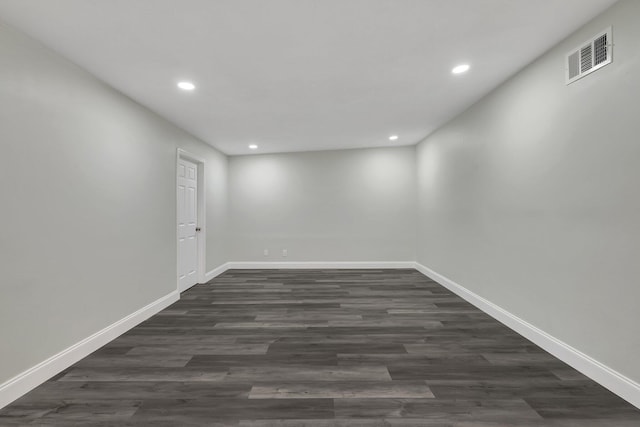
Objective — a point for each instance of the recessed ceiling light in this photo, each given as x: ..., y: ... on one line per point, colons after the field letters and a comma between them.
x: 186, y: 86
x: 393, y: 137
x: 462, y: 68
x: 253, y: 147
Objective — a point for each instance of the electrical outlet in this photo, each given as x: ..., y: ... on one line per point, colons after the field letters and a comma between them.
x: 265, y: 252
x: 284, y: 253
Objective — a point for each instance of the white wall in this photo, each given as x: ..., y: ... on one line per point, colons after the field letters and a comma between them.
x: 350, y: 205
x: 530, y: 198
x: 87, y: 225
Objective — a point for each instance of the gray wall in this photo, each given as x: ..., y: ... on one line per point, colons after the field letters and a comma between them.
x: 87, y: 225
x: 350, y: 205
x: 530, y: 198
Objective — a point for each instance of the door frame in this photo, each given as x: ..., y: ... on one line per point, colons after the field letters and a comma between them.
x: 202, y: 218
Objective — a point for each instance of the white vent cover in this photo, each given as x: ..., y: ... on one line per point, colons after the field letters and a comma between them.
x: 590, y: 56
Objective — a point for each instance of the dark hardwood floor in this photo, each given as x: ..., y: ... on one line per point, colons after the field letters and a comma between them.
x: 321, y: 348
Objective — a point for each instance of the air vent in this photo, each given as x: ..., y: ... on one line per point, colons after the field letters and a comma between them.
x: 590, y: 56
x: 600, y: 47
x: 586, y: 59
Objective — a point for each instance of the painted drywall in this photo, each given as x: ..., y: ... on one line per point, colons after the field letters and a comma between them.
x: 87, y: 225
x: 529, y: 198
x: 349, y: 205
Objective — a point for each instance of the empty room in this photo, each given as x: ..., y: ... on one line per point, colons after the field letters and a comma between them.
x: 321, y: 213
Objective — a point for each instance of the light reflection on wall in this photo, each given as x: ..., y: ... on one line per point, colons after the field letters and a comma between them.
x: 263, y: 180
x: 429, y: 161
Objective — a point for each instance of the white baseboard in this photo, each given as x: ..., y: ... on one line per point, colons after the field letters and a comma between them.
x: 617, y: 383
x: 216, y: 272
x: 31, y: 378
x: 320, y: 264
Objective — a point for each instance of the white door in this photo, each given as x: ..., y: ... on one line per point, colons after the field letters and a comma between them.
x: 187, y: 224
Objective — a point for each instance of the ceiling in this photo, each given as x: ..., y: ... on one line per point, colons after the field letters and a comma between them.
x: 301, y: 75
